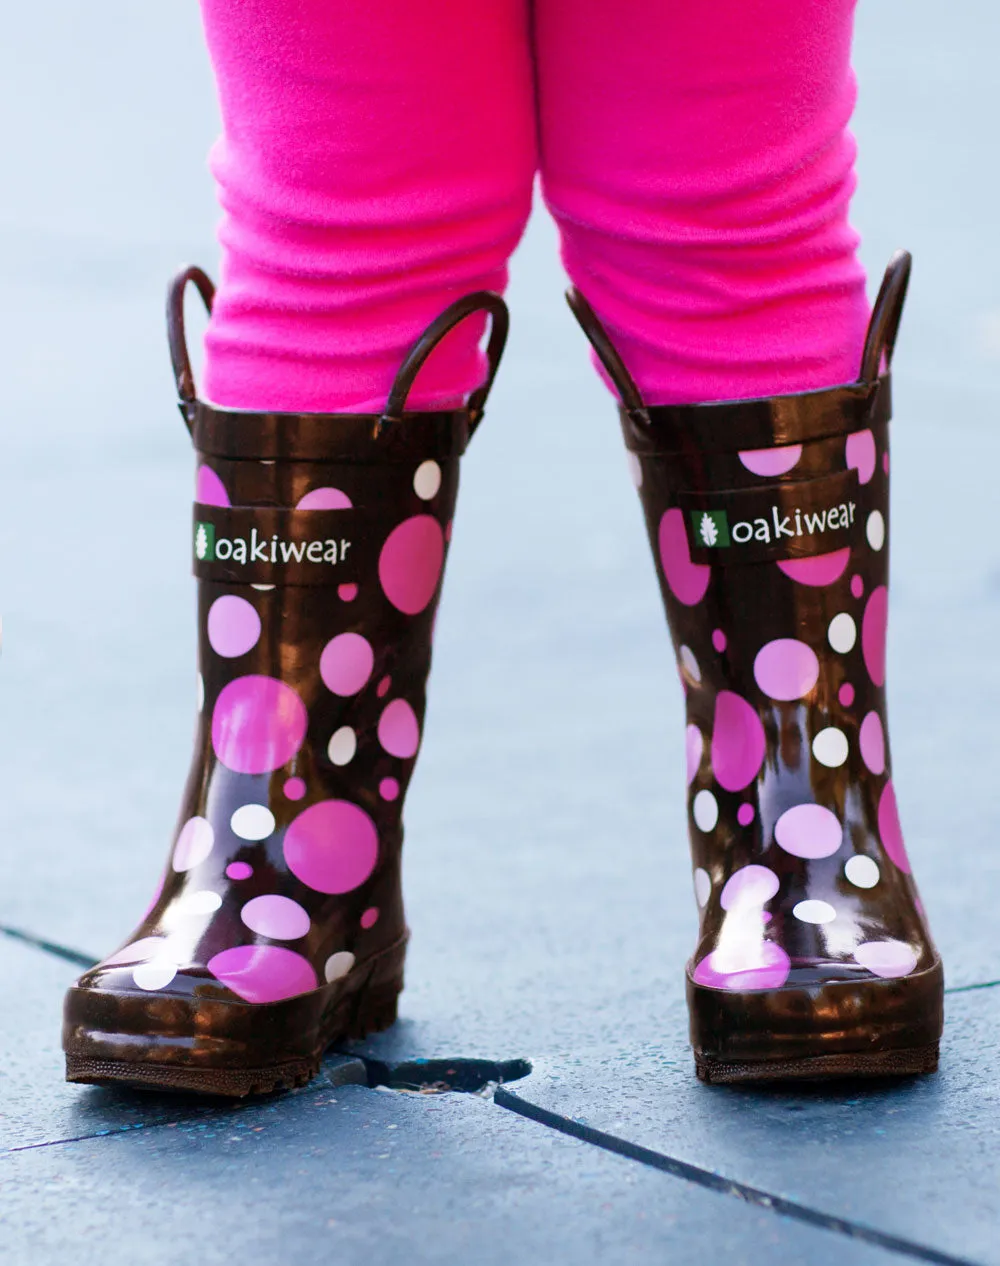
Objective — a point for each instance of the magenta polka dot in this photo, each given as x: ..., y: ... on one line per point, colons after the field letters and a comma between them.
x: 819, y: 570
x: 749, y: 886
x: 294, y: 788
x: 719, y: 640
x: 194, y: 843
x: 887, y: 959
x: 688, y: 581
x: 346, y: 663
x: 845, y: 695
x: 209, y: 489
x: 382, y: 689
x: 370, y: 917
x: 332, y: 846
x: 889, y: 829
x: 861, y: 454
x: 873, y: 630
x: 694, y: 745
x: 258, y: 724
x: 279, y: 918
x: 857, y: 586
x: 745, y: 814
x: 769, y: 462
x: 233, y: 626
x: 239, y: 870
x: 757, y: 965
x: 263, y: 973
x: 738, y: 742
x: 808, y: 830
x: 398, y: 731
x: 871, y: 740
x: 388, y: 789
x: 325, y: 499
x: 347, y: 593
x: 786, y: 669
x: 409, y: 566
x: 137, y: 952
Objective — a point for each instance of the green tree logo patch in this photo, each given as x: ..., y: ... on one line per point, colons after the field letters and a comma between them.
x: 204, y: 542
x: 711, y: 528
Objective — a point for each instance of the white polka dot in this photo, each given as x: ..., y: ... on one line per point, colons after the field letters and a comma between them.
x: 702, y: 887
x: 154, y: 975
x: 252, y: 822
x: 830, y: 747
x: 862, y: 872
x: 427, y: 480
x: 200, y: 692
x: 842, y: 633
x: 202, y: 902
x: 814, y: 912
x: 338, y: 965
x: 634, y: 468
x: 689, y: 663
x: 875, y: 530
x: 262, y: 588
x: 706, y: 811
x: 342, y: 746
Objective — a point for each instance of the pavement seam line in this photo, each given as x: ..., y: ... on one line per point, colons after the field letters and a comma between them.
x: 725, y: 1186
x: 48, y: 947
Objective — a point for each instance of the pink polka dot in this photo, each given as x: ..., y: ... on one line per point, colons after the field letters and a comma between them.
x: 738, y: 742
x: 194, y: 843
x: 398, y: 731
x: 688, y: 581
x: 857, y: 586
x: 332, y: 846
x: 885, y: 462
x: 233, y: 626
x: 889, y: 829
x: 325, y: 499
x: 887, y: 959
x: 871, y: 740
x: 346, y: 663
x: 279, y: 918
x: 694, y: 745
x: 294, y: 788
x: 745, y: 814
x: 861, y: 454
x: 786, y: 669
x: 749, y: 886
x: 845, y: 695
x: 719, y: 640
x: 819, y: 570
x: 138, y: 952
x: 873, y: 630
x: 409, y: 566
x: 258, y: 724
x: 263, y: 973
x: 762, y: 965
x: 388, y: 789
x: 239, y: 870
x: 370, y: 917
x: 769, y: 462
x: 209, y: 489
x: 808, y: 830
x: 347, y: 593
x: 382, y: 689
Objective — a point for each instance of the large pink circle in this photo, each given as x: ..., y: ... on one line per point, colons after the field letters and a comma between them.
x: 209, y: 489
x: 764, y: 965
x: 325, y: 499
x: 871, y: 740
x: 809, y: 830
x: 409, y: 566
x: 258, y: 724
x: 233, y: 626
x: 861, y: 454
x: 280, y: 918
x: 819, y: 570
x: 263, y: 973
x: 749, y: 886
x: 694, y: 745
x: 332, y: 846
x: 887, y: 959
x: 769, y: 462
x: 738, y: 742
x: 786, y: 669
x: 688, y: 581
x: 889, y: 829
x: 346, y: 663
x: 398, y: 731
x: 194, y: 843
x: 137, y: 952
x: 873, y: 630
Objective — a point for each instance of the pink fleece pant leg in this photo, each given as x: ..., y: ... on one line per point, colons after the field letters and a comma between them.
x: 697, y: 159
x: 376, y: 162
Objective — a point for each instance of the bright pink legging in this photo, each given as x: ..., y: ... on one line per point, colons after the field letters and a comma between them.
x: 378, y: 157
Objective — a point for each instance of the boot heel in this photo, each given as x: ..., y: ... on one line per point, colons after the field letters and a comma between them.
x: 376, y: 1010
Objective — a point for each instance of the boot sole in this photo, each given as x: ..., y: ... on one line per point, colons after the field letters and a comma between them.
x: 903, y: 1063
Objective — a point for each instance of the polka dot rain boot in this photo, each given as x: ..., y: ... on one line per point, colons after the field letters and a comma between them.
x: 319, y: 544
x: 769, y: 522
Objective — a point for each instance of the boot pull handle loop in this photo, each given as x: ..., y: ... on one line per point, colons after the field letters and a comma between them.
x: 880, y: 341
x: 480, y: 301
x: 179, y: 358
x: 608, y: 355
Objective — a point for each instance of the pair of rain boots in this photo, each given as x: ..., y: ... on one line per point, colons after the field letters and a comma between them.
x: 319, y: 546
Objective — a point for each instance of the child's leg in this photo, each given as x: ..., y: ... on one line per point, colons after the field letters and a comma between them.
x: 376, y: 162
x: 698, y: 162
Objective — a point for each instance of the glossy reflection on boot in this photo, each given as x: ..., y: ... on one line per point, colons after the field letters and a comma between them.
x: 769, y: 523
x: 319, y: 545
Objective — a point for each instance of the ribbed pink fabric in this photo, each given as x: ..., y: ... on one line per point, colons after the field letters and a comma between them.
x: 377, y: 161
